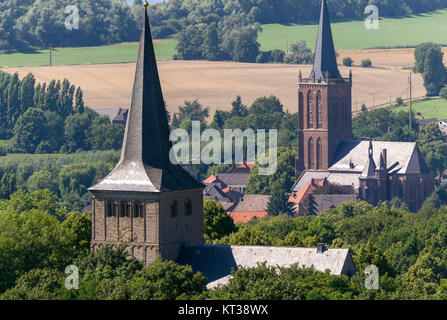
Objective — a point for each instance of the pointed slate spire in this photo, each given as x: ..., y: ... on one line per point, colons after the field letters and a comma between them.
x: 325, y: 59
x: 369, y: 171
x: 382, y: 165
x: 145, y: 163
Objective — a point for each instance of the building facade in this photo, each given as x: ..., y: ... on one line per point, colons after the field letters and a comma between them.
x: 147, y: 204
x: 378, y: 171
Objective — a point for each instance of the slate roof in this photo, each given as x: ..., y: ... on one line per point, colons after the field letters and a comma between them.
x: 306, y: 177
x: 324, y: 202
x: 234, y: 179
x: 253, y: 203
x: 216, y: 261
x: 351, y: 156
x: 325, y: 58
x: 215, y: 193
x: 351, y: 160
x: 145, y: 165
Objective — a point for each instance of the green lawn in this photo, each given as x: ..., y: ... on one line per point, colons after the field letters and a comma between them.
x: 119, y: 53
x: 352, y: 35
x: 436, y: 108
x: 4, y: 143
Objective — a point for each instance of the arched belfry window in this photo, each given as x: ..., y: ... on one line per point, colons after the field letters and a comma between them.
x: 174, y: 209
x: 319, y: 110
x: 310, y: 151
x: 319, y: 154
x: 310, y: 111
x: 188, y: 207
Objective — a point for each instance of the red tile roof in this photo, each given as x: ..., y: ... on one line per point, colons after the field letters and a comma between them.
x: 244, y: 217
x: 301, y: 194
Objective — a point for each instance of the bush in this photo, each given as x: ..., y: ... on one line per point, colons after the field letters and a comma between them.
x: 2, y: 151
x: 442, y: 94
x: 367, y: 63
x: 278, y: 56
x: 264, y: 57
x: 348, y: 61
x: 399, y: 101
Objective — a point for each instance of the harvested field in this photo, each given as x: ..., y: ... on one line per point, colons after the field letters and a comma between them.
x: 385, y: 58
x: 216, y: 84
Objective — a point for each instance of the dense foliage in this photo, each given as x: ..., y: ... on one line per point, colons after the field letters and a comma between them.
x: 429, y: 62
x: 51, y: 118
x: 66, y: 176
x: 41, y: 24
x: 408, y: 249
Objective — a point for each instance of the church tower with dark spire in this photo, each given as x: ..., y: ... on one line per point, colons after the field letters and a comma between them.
x: 148, y: 204
x: 324, y: 104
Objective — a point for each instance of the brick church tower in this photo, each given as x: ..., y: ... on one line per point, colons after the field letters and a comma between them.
x: 324, y: 105
x: 146, y: 203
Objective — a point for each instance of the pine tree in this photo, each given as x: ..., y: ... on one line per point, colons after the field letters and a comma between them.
x: 175, y: 124
x: 27, y: 93
x: 210, y: 47
x: 79, y: 104
x: 13, y: 103
x: 279, y: 204
x: 51, y: 97
x: 238, y: 108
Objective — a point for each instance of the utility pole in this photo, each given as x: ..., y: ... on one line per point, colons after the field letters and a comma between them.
x: 51, y: 57
x: 410, y: 115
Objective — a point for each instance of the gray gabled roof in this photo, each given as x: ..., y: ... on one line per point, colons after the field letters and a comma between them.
x: 216, y: 261
x: 351, y: 156
x: 325, y: 59
x: 306, y: 177
x: 145, y: 165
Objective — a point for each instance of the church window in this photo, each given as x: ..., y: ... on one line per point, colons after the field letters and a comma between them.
x: 310, y: 151
x: 125, y: 209
x: 138, y: 212
x: 310, y: 115
x: 413, y: 191
x: 319, y: 154
x: 188, y: 207
x: 320, y: 110
x: 174, y: 209
x: 110, y: 209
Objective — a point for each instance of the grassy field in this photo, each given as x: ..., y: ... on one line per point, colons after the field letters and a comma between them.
x: 353, y: 35
x: 120, y: 53
x: 436, y: 108
x: 4, y: 143
x: 350, y: 35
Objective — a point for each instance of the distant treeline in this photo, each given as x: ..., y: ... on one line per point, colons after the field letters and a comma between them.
x: 30, y: 24
x: 175, y: 15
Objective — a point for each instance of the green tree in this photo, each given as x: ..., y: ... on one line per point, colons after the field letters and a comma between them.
x: 216, y: 221
x: 279, y: 204
x: 42, y: 180
x: 29, y: 130
x: 420, y: 55
x: 194, y: 111
x: 166, y: 280
x: 434, y: 71
x: 238, y: 109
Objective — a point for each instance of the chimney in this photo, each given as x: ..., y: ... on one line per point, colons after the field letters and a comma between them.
x: 321, y: 248
x: 384, y: 153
